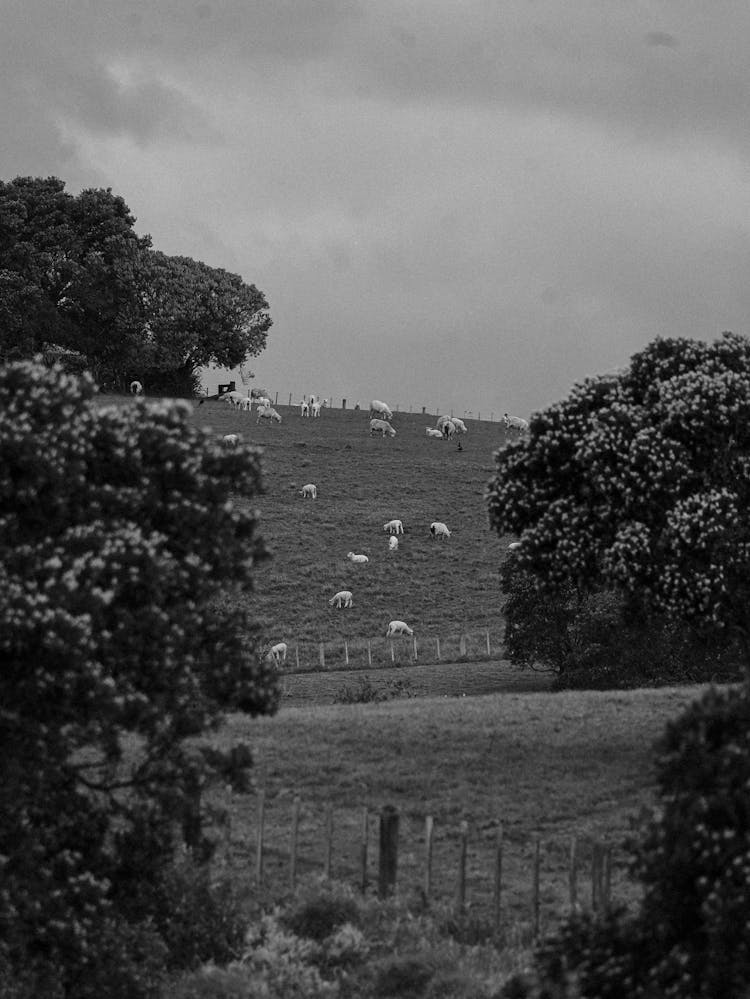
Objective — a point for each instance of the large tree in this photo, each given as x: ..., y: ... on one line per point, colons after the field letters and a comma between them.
x: 640, y: 481
x: 198, y: 315
x: 68, y: 274
x: 126, y: 556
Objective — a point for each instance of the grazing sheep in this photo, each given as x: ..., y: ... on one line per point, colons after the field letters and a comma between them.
x: 136, y: 388
x: 267, y: 413
x: 378, y: 408
x: 439, y: 530
x: 357, y: 558
x: 432, y: 432
x: 449, y: 429
x: 515, y: 423
x: 310, y: 490
x: 278, y: 652
x: 304, y: 408
x: 459, y: 425
x: 383, y: 427
x: 246, y: 404
x: 341, y: 599
x: 233, y: 398
x: 394, y: 527
x: 398, y: 628
x: 231, y: 440
x: 441, y: 421
x: 263, y: 401
x: 392, y: 543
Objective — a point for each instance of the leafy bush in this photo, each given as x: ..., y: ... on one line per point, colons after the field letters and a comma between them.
x: 366, y: 692
x: 689, y: 938
x: 118, y: 535
x: 320, y: 908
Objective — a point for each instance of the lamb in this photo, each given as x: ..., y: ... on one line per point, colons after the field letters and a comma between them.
x: 383, y: 427
x: 136, y: 388
x: 394, y: 527
x: 439, y: 530
x: 263, y: 401
x: 231, y: 440
x: 378, y: 408
x: 310, y: 490
x: 398, y: 628
x: 267, y: 413
x: 246, y: 404
x: 432, y: 432
x: 357, y: 558
x: 441, y: 421
x: 392, y: 543
x: 459, y: 425
x: 316, y: 408
x: 233, y: 398
x: 304, y: 408
x: 449, y: 429
x: 278, y: 652
x: 341, y: 599
x: 515, y: 423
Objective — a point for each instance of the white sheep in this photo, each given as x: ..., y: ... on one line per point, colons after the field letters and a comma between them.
x: 392, y: 543
x: 357, y: 558
x: 439, y: 530
x: 394, y: 527
x: 449, y: 429
x: 341, y: 599
x: 378, y: 408
x: 233, y: 398
x: 310, y: 490
x: 383, y: 426
x: 432, y: 432
x: 278, y: 652
x: 231, y: 440
x: 398, y: 628
x: 264, y: 401
x: 515, y: 423
x: 514, y: 546
x: 441, y: 421
x: 459, y: 425
x: 246, y: 404
x: 315, y: 408
x: 136, y: 388
x: 304, y: 408
x: 267, y: 413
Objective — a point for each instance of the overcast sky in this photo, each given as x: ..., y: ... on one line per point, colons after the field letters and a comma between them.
x: 460, y: 205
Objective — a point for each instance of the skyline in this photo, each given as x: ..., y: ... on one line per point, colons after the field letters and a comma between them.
x: 470, y: 209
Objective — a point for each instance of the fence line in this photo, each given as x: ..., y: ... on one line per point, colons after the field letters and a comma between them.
x: 360, y: 652
x: 390, y: 842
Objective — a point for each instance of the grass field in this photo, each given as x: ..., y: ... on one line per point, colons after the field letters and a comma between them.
x: 440, y: 588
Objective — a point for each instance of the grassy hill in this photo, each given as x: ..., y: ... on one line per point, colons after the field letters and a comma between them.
x: 440, y: 588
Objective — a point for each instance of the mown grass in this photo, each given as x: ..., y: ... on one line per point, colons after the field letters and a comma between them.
x: 549, y: 765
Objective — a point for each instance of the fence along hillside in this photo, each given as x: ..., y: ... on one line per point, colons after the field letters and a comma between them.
x: 441, y: 588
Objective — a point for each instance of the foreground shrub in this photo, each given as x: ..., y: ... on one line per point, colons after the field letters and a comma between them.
x: 689, y: 939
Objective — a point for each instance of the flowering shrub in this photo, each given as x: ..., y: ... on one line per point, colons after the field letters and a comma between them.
x: 641, y: 482
x: 118, y: 537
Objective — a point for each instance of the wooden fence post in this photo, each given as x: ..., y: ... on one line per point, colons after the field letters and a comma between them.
x: 596, y: 876
x: 369, y: 653
x: 293, y: 843
x: 259, y: 838
x: 461, y: 889
x: 388, y: 859
x: 415, y: 648
x: 498, y: 881
x: 290, y: 398
x: 296, y: 654
x: 327, y: 854
x: 573, y: 873
x: 429, y: 826
x: 462, y: 645
x: 489, y: 650
x: 363, y: 848
x: 393, y: 655
x: 322, y: 656
x: 535, y: 887
x: 346, y: 653
x: 607, y: 877
x: 437, y: 641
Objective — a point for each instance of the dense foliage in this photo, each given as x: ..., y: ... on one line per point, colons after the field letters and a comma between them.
x: 640, y: 481
x: 689, y: 938
x: 78, y: 283
x: 121, y: 643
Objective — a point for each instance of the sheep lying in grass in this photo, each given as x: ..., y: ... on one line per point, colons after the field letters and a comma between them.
x: 357, y: 558
x: 310, y: 490
x: 432, y: 432
x: 392, y: 543
x: 398, y: 628
x: 341, y: 599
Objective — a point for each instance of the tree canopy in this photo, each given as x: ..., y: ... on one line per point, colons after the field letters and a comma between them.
x: 640, y: 481
x: 126, y: 560
x: 75, y: 276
